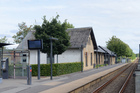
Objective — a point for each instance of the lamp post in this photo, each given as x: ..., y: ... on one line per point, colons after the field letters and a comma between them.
x: 38, y: 63
x: 51, y: 38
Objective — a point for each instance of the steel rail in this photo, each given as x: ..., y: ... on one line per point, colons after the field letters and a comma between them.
x: 127, y: 80
x: 108, y: 82
x: 82, y: 87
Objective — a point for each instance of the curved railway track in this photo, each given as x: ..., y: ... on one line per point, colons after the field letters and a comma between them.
x: 107, y: 87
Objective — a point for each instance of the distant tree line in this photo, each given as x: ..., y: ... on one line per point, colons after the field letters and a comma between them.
x: 119, y: 47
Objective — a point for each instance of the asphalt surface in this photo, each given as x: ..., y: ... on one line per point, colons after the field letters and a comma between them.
x: 20, y: 85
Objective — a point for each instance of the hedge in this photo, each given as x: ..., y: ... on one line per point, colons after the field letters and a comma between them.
x: 58, y: 69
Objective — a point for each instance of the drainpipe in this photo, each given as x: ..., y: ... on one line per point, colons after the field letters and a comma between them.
x: 82, y: 58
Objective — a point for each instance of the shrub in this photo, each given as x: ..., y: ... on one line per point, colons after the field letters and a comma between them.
x: 58, y: 69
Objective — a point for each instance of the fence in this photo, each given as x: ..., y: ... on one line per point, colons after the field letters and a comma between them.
x: 18, y: 61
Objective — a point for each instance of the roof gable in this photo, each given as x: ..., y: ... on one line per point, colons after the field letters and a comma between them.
x: 108, y: 51
x: 23, y: 45
x: 79, y: 36
x: 99, y: 50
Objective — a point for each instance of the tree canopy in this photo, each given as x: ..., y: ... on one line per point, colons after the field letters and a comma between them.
x: 119, y: 47
x: 3, y: 40
x: 23, y: 30
x: 53, y: 28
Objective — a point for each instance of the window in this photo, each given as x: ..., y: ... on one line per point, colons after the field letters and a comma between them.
x: 86, y: 58
x: 91, y: 59
x: 96, y: 58
x: 99, y: 58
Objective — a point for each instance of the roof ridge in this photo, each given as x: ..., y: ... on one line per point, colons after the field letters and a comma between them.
x: 79, y: 28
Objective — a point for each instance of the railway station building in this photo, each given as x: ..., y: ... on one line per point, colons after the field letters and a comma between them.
x: 78, y: 36
x: 109, y: 56
x: 99, y: 56
x: 89, y: 52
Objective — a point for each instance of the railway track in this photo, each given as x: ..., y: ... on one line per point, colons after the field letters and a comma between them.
x: 115, y: 85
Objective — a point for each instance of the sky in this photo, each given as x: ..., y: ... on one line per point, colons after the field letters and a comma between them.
x: 107, y: 17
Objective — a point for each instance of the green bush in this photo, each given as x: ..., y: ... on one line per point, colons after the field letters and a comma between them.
x: 58, y: 69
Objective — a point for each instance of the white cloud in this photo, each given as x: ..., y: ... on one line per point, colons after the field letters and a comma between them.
x: 29, y: 8
x: 107, y: 17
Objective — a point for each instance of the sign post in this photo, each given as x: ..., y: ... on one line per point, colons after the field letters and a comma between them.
x: 29, y: 75
x: 36, y: 45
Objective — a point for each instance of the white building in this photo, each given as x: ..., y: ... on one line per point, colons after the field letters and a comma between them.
x: 78, y: 37
x: 33, y: 53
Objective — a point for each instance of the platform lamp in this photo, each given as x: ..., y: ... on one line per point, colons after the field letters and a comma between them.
x: 51, y: 38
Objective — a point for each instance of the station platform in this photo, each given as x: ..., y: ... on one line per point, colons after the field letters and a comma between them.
x: 59, y: 84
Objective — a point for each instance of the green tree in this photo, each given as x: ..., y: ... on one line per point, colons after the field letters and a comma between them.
x: 119, y: 47
x: 68, y: 25
x: 23, y: 30
x: 3, y: 40
x: 53, y: 28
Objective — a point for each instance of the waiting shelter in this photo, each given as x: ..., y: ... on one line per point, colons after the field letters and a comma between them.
x: 1, y: 58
